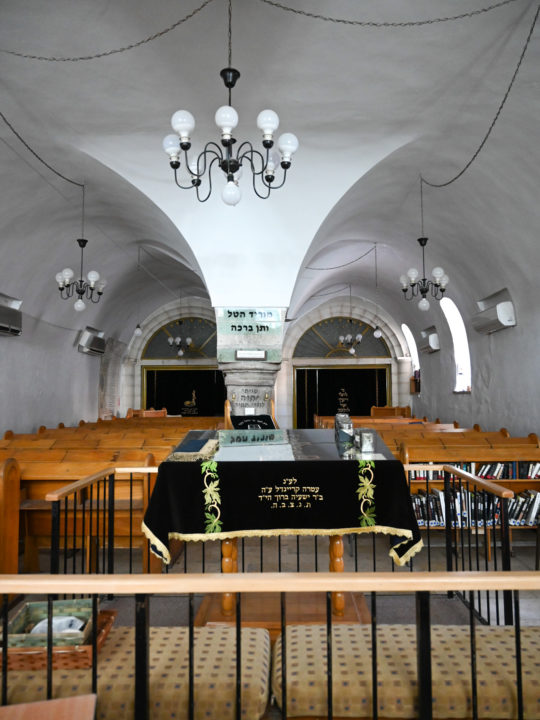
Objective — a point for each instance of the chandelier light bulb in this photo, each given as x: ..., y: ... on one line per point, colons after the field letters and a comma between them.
x: 170, y: 340
x: 288, y: 145
x: 403, y: 280
x: 351, y: 351
x: 412, y: 274
x: 59, y: 279
x: 268, y: 122
x: 423, y: 304
x: 226, y: 119
x: 93, y: 277
x: 231, y: 193
x: 188, y: 341
x: 377, y: 332
x: 67, y: 274
x: 101, y: 286
x: 274, y: 158
x: 358, y: 338
x: 171, y: 145
x: 183, y: 123
x: 138, y: 331
x: 79, y: 305
x: 177, y: 340
x: 437, y: 273
x: 180, y: 352
x: 444, y: 280
x: 341, y: 339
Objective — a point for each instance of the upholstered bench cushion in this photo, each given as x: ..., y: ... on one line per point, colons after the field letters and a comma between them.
x: 215, y: 675
x: 397, y: 686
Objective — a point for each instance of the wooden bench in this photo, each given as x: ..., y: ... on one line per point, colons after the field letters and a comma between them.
x: 9, y: 516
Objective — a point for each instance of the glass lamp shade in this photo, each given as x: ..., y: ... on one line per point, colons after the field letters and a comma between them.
x: 59, y: 279
x: 341, y: 338
x: 171, y: 145
x: 268, y: 122
x: 437, y: 273
x: 183, y: 123
x: 444, y: 281
x: 424, y: 304
x: 348, y: 338
x: 412, y: 274
x: 351, y: 351
x: 101, y: 285
x: 93, y: 277
x: 170, y: 340
x: 79, y: 305
x: 377, y: 332
x: 138, y: 330
x: 358, y: 338
x: 67, y: 274
x: 231, y: 193
x: 274, y: 159
x: 288, y: 145
x: 177, y: 340
x: 226, y: 119
x: 188, y: 341
x: 180, y: 352
x: 403, y: 280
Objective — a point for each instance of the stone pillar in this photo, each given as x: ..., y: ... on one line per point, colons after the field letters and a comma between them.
x: 250, y: 386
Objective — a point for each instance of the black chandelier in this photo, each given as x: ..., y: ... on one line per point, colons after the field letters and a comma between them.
x: 179, y: 345
x: 91, y: 288
x: 263, y: 165
x: 412, y: 287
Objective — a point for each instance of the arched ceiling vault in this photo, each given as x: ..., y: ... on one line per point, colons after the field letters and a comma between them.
x: 373, y: 108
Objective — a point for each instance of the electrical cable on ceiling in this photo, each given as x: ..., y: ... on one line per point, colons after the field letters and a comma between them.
x: 374, y: 24
x: 106, y: 53
x: 499, y: 110
x: 357, y: 23
x: 337, y: 267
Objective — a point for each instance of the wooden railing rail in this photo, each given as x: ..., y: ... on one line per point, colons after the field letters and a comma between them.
x: 174, y: 584
x: 480, y: 483
x: 74, y: 487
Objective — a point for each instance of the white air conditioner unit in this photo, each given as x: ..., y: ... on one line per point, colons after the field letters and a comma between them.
x: 430, y: 340
x: 496, y: 312
x: 10, y: 315
x: 91, y: 342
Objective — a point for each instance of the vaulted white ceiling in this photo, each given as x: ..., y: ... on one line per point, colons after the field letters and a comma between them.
x: 373, y: 108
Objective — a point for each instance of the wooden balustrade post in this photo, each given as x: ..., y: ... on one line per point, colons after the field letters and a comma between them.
x: 337, y: 565
x: 229, y: 564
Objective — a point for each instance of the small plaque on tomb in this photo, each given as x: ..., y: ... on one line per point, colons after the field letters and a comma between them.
x: 252, y: 437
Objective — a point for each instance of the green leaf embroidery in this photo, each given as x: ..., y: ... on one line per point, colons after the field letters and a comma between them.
x: 366, y: 493
x: 212, y: 497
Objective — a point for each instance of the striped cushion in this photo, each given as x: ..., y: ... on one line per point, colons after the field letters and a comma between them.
x: 396, y: 644
x: 215, y: 675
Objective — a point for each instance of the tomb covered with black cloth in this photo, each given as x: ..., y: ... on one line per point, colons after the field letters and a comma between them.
x: 317, y: 492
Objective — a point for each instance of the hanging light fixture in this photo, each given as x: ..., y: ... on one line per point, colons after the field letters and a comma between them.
x: 263, y: 165
x: 138, y: 329
x: 349, y: 342
x: 412, y: 286
x: 377, y: 332
x: 179, y: 345
x: 90, y: 287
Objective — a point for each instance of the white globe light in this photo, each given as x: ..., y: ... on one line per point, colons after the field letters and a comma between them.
x: 358, y: 338
x: 226, y: 119
x: 180, y: 352
x: 188, y: 341
x: 101, y: 285
x: 93, y: 277
x: 403, y: 280
x: 377, y: 332
x: 231, y: 193
x: 171, y: 145
x: 183, y: 123
x: 59, y: 278
x: 178, y: 340
x: 437, y: 272
x: 413, y: 274
x: 288, y: 145
x: 268, y: 122
x: 170, y: 340
x: 274, y: 158
x: 341, y: 338
x: 423, y: 304
x: 444, y: 281
x: 79, y: 305
x: 67, y: 274
x: 352, y: 351
x: 138, y: 331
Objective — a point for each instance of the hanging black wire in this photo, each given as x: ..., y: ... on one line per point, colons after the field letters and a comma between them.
x: 499, y: 110
x: 373, y: 24
x: 106, y: 53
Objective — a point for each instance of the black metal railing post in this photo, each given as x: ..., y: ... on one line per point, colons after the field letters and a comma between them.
x: 448, y: 524
x: 142, y: 651
x: 423, y: 655
x: 55, y: 537
x: 506, y: 561
x: 5, y: 607
x: 110, y: 532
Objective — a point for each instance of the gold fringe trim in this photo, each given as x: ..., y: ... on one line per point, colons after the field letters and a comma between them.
x: 165, y: 555
x: 232, y: 534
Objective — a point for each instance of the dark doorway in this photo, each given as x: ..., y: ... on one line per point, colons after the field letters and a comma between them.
x: 328, y: 391
x: 185, y: 392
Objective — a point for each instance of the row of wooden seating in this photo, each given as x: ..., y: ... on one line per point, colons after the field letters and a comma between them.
x: 52, y: 458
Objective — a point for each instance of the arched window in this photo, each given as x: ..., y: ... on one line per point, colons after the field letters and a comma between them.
x: 462, y: 356
x: 409, y: 337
